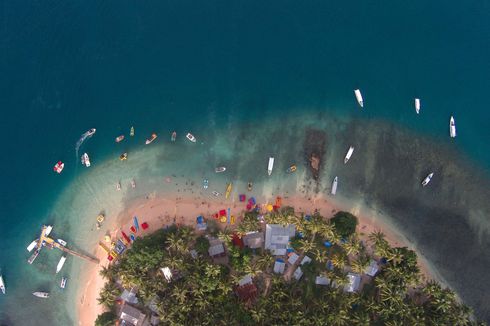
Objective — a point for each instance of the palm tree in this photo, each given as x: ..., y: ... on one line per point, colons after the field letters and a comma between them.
x: 352, y: 246
x: 108, y: 295
x: 339, y: 260
x: 321, y: 255
x: 306, y: 245
x: 225, y: 236
x: 264, y: 261
x: 359, y: 265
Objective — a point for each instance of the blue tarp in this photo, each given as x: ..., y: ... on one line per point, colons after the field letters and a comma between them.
x: 200, y: 219
x: 327, y: 244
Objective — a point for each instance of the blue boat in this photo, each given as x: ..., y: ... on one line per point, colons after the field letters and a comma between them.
x: 135, y: 222
x: 132, y: 237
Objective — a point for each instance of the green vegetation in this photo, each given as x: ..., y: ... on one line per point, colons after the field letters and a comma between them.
x: 203, y: 292
x: 107, y: 318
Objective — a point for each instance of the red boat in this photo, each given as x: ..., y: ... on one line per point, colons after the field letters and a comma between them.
x: 59, y: 167
x: 126, y: 238
x: 119, y: 138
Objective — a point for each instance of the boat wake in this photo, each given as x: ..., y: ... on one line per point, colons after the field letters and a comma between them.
x: 84, y: 136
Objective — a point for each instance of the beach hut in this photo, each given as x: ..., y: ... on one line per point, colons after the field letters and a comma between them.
x: 279, y: 266
x: 247, y: 279
x: 216, y: 248
x: 297, y: 273
x: 353, y: 282
x: 305, y: 260
x: 372, y: 269
x: 129, y: 296
x: 131, y: 316
x: 277, y: 238
x: 253, y: 240
x: 322, y: 280
x: 293, y: 257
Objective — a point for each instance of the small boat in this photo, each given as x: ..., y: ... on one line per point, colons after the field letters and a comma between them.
x: 205, y: 183
x: 34, y: 256
x: 49, y: 228
x: 132, y: 237
x: 85, y: 160
x: 452, y: 127
x: 270, y: 166
x: 60, y: 264
x: 359, y: 97
x: 229, y: 187
x: 131, y: 131
x: 191, y: 137
x: 417, y: 105
x: 119, y: 138
x: 220, y: 169
x: 133, y: 184
x: 100, y: 218
x: 136, y: 224
x: 58, y: 167
x: 125, y: 237
x: 349, y: 154
x: 32, y: 245
x: 174, y: 136
x: 2, y: 283
x: 334, y: 186
x: 63, y: 282
x: 151, y: 139
x: 91, y: 132
x: 249, y: 186
x: 427, y: 179
x: 43, y: 295
x: 118, y: 186
x: 291, y: 169
x: 123, y: 156
x: 216, y: 193
x: 61, y: 242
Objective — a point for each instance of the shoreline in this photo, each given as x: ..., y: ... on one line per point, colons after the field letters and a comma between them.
x: 159, y: 211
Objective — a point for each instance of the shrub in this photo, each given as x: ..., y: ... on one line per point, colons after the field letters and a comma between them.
x: 344, y: 223
x: 107, y: 318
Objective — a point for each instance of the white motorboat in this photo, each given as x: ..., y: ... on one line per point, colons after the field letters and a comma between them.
x: 85, y: 160
x: 359, y: 97
x: 216, y: 193
x: 61, y: 242
x: 63, y: 282
x: 90, y: 133
x: 417, y: 105
x: 2, y: 283
x: 34, y: 256
x: 270, y: 166
x: 118, y: 186
x: 452, y: 127
x: 427, y: 179
x: 349, y: 154
x: 119, y: 138
x: 220, y: 169
x: 60, y: 264
x: 43, y: 295
x: 191, y: 137
x: 133, y: 184
x: 334, y: 186
x: 49, y: 228
x: 151, y: 139
x: 32, y: 245
x: 205, y: 183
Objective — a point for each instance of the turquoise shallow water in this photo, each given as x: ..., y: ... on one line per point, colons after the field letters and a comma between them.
x: 222, y: 69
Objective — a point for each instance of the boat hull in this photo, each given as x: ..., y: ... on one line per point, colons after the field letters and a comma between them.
x: 334, y: 186
x: 270, y: 166
x: 359, y: 99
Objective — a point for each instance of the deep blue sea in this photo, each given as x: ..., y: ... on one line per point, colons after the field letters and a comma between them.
x: 68, y: 66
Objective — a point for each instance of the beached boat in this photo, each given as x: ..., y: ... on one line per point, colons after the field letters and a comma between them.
x: 205, y: 183
x: 125, y: 237
x: 452, y: 127
x: 119, y: 138
x: 174, y: 136
x: 359, y: 97
x: 291, y: 169
x: 417, y: 105
x: 118, y: 186
x: 216, y: 193
x: 58, y: 167
x: 249, y: 186
x: 34, y: 256
x: 131, y: 131
x: 191, y: 137
x: 220, y: 169
x: 132, y: 237
x: 63, y: 282
x: 85, y: 160
x: 133, y: 184
x: 334, y: 186
x: 427, y: 179
x: 2, y: 283
x: 229, y: 187
x: 349, y: 154
x: 151, y: 139
x: 270, y: 166
x: 49, y: 228
x: 43, y: 295
x: 61, y: 242
x: 136, y: 224
x: 32, y: 245
x: 60, y: 264
x: 123, y: 156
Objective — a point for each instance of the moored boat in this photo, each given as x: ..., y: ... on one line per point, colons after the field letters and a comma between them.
x: 452, y: 127
x: 151, y: 139
x: 359, y: 99
x: 417, y: 105
x: 33, y: 256
x: 334, y: 186
x: 32, y: 245
x: 135, y: 223
x: 349, y: 154
x: 43, y: 295
x: 49, y: 228
x: 119, y: 138
x: 118, y: 186
x: 63, y: 282
x: 58, y: 167
x: 270, y: 166
x: 174, y: 136
x: 249, y: 186
x: 60, y: 264
x: 123, y: 156
x: 229, y: 187
x: 131, y: 131
x: 61, y: 242
x: 191, y: 137
x: 91, y: 132
x: 2, y: 283
x: 427, y: 179
x: 216, y: 193
x: 133, y: 184
x: 291, y: 169
x: 205, y: 183
x: 220, y: 169
x: 85, y: 160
